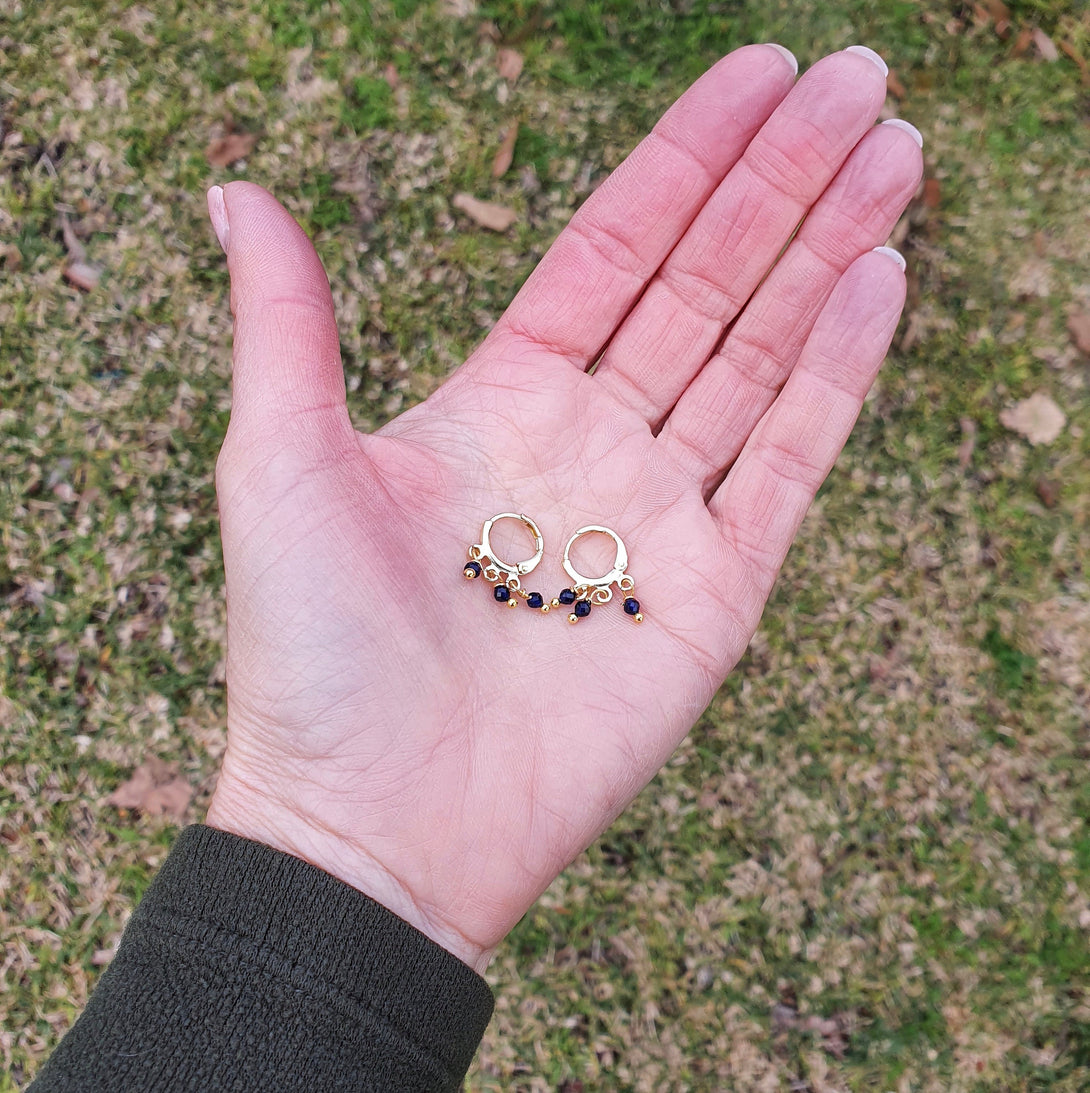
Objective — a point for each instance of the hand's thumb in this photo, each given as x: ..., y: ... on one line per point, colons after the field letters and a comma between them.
x: 287, y: 364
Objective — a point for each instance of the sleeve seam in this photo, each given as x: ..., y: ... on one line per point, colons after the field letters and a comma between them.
x: 213, y: 939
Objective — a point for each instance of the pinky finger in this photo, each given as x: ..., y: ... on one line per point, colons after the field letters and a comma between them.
x: 764, y: 498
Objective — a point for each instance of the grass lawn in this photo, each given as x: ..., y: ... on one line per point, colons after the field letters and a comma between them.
x: 868, y: 867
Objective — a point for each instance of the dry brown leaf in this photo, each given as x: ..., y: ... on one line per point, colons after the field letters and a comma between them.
x: 509, y: 63
x: 999, y: 14
x: 1048, y: 490
x: 155, y: 789
x: 506, y: 151
x: 227, y: 150
x: 72, y: 244
x: 1078, y: 326
x: 83, y: 275
x: 391, y: 76
x: 894, y: 85
x: 1037, y: 418
x: 11, y: 257
x: 1045, y: 45
x: 78, y: 271
x: 1022, y: 42
x: 932, y: 193
x: 497, y: 218
x: 1078, y: 58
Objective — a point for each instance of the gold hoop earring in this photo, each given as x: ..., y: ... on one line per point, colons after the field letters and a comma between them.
x: 506, y: 576
x: 587, y: 591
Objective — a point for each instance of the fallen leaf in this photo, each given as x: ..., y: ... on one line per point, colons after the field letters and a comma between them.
x: 227, y: 150
x: 72, y: 244
x: 78, y: 271
x: 1001, y: 15
x: 11, y: 257
x: 1048, y: 491
x: 83, y: 275
x: 497, y: 218
x: 894, y: 85
x: 1022, y: 42
x: 459, y: 8
x: 1045, y: 45
x: 932, y: 193
x: 1037, y: 418
x: 391, y: 76
x: 1078, y: 58
x: 509, y: 63
x: 1078, y: 326
x: 155, y: 789
x: 506, y: 151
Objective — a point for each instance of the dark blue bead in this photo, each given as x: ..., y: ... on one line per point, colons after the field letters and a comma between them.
x: 631, y: 606
x: 535, y: 599
x: 472, y: 569
x: 567, y: 596
x: 502, y: 593
x: 582, y: 609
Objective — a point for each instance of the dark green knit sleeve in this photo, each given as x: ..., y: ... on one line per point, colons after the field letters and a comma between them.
x: 245, y: 969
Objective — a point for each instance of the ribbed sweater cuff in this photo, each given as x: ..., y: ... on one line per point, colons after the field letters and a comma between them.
x: 326, y: 933
x: 255, y: 967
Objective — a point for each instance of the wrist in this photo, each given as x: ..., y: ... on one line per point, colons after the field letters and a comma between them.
x: 247, y: 812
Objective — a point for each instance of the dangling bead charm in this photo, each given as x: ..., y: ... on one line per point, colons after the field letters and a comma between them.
x: 506, y: 577
x: 588, y: 591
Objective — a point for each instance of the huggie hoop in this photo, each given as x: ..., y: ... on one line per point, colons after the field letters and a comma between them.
x: 586, y: 591
x: 620, y: 564
x: 519, y: 568
x: 506, y: 576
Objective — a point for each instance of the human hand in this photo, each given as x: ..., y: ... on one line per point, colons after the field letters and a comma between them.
x: 387, y: 720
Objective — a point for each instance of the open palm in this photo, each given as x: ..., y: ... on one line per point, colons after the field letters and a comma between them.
x: 388, y: 720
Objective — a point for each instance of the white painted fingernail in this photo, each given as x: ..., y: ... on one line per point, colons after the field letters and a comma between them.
x: 871, y: 56
x: 784, y: 51
x: 908, y: 127
x: 217, y: 213
x: 896, y: 255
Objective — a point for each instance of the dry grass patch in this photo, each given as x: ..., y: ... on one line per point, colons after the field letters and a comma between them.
x: 868, y: 866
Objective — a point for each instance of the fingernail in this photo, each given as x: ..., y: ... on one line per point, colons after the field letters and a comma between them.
x: 871, y: 56
x: 784, y: 51
x: 896, y: 255
x: 908, y: 127
x: 217, y: 213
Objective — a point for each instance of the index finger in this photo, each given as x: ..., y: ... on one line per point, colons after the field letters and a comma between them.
x: 599, y: 265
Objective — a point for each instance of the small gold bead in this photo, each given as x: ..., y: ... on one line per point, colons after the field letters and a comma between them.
x: 512, y: 602
x: 638, y: 616
x: 556, y: 603
x: 545, y: 609
x: 573, y: 618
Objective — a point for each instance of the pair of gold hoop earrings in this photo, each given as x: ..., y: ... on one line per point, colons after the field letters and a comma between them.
x: 584, y: 592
